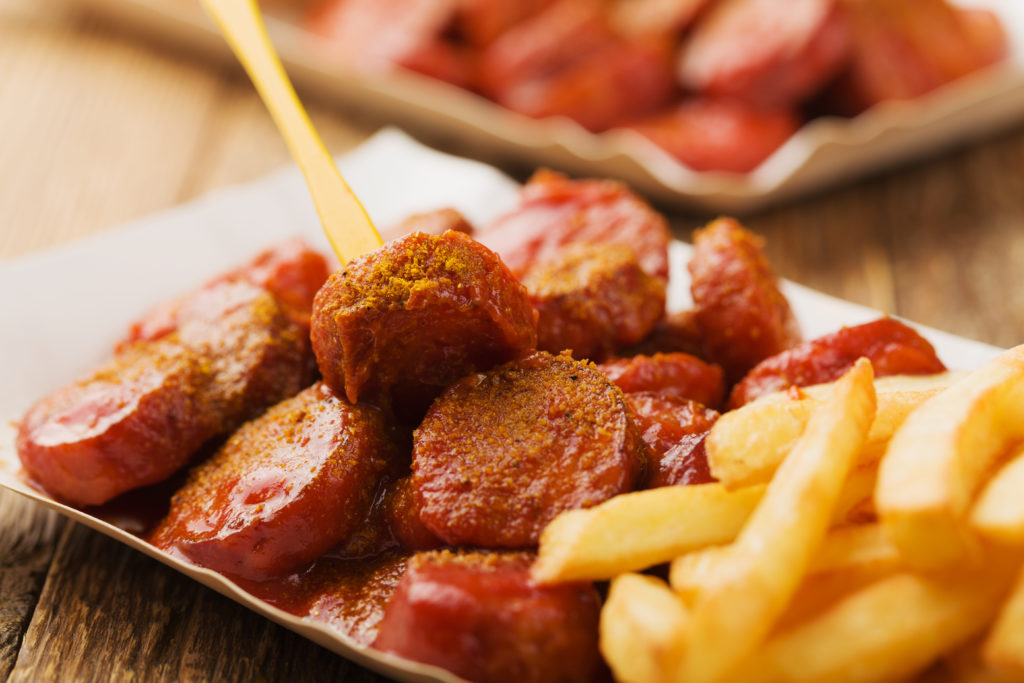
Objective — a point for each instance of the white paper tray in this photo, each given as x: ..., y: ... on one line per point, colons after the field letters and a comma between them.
x: 66, y: 307
x: 825, y: 152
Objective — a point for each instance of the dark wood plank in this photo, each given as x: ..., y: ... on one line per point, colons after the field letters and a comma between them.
x: 110, y: 613
x: 27, y: 538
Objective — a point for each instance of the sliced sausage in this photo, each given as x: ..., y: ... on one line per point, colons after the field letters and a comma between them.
x: 400, y: 324
x: 671, y: 374
x: 717, y: 134
x: 674, y: 430
x: 764, y: 52
x: 892, y: 347
x: 403, y: 517
x: 500, y: 454
x: 593, y: 299
x: 622, y: 80
x: 481, y: 22
x: 283, y: 490
x: 140, y: 417
x: 481, y: 617
x: 291, y: 272
x: 904, y: 50
x: 555, y: 211
x: 743, y: 316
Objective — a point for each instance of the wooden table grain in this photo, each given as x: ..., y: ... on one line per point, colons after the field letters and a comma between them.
x: 99, y: 127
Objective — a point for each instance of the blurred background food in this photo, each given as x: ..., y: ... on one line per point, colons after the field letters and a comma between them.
x: 726, y: 105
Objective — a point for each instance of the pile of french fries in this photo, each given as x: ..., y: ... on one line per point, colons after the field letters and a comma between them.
x: 866, y: 530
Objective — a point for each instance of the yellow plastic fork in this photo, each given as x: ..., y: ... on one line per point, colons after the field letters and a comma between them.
x: 348, y: 227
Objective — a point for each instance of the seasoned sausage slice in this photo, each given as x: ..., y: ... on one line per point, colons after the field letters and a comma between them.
x: 677, y: 332
x: 283, y: 490
x: 670, y: 374
x: 400, y: 324
x: 555, y: 211
x: 500, y: 454
x: 674, y: 430
x: 481, y: 617
x: 139, y: 418
x: 291, y: 272
x: 892, y: 347
x: 402, y: 512
x: 593, y: 299
x: 743, y: 316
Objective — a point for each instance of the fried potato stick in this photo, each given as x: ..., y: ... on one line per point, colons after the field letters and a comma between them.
x: 764, y: 567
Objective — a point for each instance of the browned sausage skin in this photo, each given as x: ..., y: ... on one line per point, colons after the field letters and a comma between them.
x: 500, y: 454
x: 400, y: 324
x: 555, y: 211
x: 283, y: 490
x: 481, y: 617
x: 672, y: 374
x: 593, y: 299
x: 138, y: 419
x: 743, y: 316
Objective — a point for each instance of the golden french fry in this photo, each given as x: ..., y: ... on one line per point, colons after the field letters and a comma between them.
x: 641, y: 529
x: 764, y: 567
x: 746, y: 445
x: 938, y: 460
x: 966, y: 664
x: 886, y: 631
x: 643, y: 624
x: 1004, y: 648
x: 844, y: 549
x: 999, y: 512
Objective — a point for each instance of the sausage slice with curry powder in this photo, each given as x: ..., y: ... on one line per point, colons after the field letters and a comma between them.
x: 500, y: 454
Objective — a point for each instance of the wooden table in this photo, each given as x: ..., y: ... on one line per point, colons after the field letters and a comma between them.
x: 98, y: 128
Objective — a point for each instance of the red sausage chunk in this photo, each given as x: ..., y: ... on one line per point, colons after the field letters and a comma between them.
x: 742, y: 314
x: 670, y: 374
x: 283, y: 490
x: 397, y: 326
x: 482, y: 618
x: 892, y: 347
x: 403, y: 516
x: 291, y: 272
x: 768, y: 53
x: 139, y: 418
x: 500, y: 454
x: 593, y: 300
x: 717, y: 134
x: 555, y: 211
x: 674, y: 430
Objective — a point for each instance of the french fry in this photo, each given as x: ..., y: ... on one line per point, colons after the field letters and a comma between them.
x: 641, y: 529
x: 643, y: 624
x: 629, y: 532
x: 1004, y: 648
x: 938, y: 460
x: 746, y: 445
x: 844, y: 549
x: 966, y: 664
x: 886, y: 631
x: 764, y: 567
x: 999, y: 512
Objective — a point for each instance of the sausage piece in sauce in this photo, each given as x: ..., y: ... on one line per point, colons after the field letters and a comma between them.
x: 593, y: 299
x: 397, y: 326
x: 673, y: 374
x: 742, y: 314
x: 139, y: 418
x: 674, y: 430
x: 481, y: 617
x: 892, y: 347
x: 500, y: 454
x: 283, y: 490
